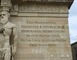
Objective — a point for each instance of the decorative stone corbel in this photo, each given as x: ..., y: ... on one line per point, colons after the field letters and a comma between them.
x: 14, y: 10
x: 6, y: 5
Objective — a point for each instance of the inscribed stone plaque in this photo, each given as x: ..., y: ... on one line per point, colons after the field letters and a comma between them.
x: 43, y: 37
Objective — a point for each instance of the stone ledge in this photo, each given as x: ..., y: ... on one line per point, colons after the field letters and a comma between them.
x: 69, y: 2
x: 43, y: 14
x: 44, y: 0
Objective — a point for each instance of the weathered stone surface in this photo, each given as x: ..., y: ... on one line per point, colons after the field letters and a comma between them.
x: 43, y: 30
x: 49, y: 8
x: 69, y: 2
x: 43, y: 38
x: 47, y: 0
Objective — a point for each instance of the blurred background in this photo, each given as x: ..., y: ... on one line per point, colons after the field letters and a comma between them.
x: 73, y: 22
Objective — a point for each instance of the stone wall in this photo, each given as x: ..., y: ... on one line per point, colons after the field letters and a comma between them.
x: 43, y: 32
x: 42, y: 29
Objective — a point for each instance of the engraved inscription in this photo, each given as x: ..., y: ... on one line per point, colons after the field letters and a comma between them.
x: 43, y: 31
x: 46, y: 38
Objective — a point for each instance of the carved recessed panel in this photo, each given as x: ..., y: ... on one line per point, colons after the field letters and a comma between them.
x: 43, y: 8
x: 42, y: 38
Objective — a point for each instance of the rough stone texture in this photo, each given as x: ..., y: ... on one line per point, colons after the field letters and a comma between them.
x: 69, y: 2
x: 46, y: 0
x: 43, y: 32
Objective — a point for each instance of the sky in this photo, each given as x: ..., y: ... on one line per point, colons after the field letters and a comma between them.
x: 73, y: 22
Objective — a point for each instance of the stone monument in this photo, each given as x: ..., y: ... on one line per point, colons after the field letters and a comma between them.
x: 42, y: 28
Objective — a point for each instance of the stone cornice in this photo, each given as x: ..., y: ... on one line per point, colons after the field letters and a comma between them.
x: 69, y: 2
x: 43, y: 0
x: 16, y: 4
